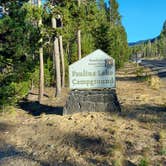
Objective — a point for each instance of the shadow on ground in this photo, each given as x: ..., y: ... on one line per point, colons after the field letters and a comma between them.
x: 93, y: 145
x: 145, y: 113
x: 135, y: 78
x: 126, y: 78
x: 36, y: 109
x: 97, y: 148
x: 9, y: 156
x: 5, y: 127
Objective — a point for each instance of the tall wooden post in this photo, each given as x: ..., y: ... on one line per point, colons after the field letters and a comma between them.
x: 41, y: 77
x: 57, y: 60
x: 62, y: 60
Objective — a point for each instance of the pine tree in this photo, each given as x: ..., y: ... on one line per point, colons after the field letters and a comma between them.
x: 19, y: 39
x: 21, y: 36
x: 164, y: 28
x: 114, y: 14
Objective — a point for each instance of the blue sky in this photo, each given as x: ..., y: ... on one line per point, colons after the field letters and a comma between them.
x: 142, y: 19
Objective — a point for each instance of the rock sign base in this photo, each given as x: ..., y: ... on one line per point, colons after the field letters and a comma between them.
x: 92, y: 101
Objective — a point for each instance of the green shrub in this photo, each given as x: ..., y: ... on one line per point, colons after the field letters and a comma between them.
x: 12, y: 93
x: 139, y: 72
x: 143, y: 162
x: 48, y: 79
x: 141, y: 75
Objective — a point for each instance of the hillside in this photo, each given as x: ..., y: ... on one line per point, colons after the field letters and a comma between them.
x: 143, y: 41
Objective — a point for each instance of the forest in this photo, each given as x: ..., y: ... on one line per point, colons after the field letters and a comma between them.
x: 39, y: 41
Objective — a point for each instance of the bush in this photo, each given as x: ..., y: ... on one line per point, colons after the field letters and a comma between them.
x: 12, y: 93
x: 143, y: 162
x: 154, y: 82
x: 48, y: 80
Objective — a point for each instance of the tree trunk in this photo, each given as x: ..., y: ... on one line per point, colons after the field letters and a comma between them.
x: 79, y: 44
x: 53, y: 20
x: 79, y: 3
x: 57, y: 66
x: 41, y: 77
x: 57, y: 61
x: 62, y: 60
x: 79, y: 37
x: 41, y: 87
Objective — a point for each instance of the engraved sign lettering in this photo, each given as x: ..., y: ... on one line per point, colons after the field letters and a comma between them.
x: 95, y: 71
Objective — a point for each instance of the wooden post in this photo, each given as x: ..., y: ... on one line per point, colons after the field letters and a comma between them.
x: 41, y: 77
x: 62, y: 60
x: 57, y: 60
x: 79, y: 43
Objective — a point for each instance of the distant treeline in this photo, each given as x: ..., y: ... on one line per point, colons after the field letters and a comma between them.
x: 155, y: 47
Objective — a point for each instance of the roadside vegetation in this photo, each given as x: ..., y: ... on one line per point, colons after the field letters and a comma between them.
x: 43, y: 40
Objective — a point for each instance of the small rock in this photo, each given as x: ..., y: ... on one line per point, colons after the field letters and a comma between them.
x: 49, y: 124
x: 129, y: 163
x: 50, y: 146
x: 105, y: 129
x: 70, y: 118
x: 156, y: 137
x: 92, y: 116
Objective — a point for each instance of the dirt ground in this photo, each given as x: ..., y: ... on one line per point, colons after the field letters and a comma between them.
x: 38, y: 135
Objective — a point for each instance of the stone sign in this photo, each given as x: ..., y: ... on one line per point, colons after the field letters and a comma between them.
x: 92, y: 80
x: 95, y: 71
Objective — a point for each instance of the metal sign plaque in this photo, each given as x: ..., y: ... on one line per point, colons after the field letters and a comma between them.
x: 95, y: 71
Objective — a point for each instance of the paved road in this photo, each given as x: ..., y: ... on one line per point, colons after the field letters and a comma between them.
x: 157, y: 66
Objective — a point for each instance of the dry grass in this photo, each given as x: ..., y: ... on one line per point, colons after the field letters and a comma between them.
x: 154, y: 82
x: 136, y: 136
